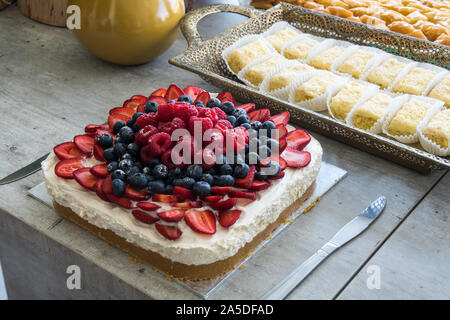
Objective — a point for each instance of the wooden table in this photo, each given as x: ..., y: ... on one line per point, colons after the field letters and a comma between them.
x: 50, y: 86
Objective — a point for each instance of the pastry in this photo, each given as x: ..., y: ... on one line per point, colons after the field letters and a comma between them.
x: 284, y: 77
x: 356, y: 62
x: 438, y: 129
x: 240, y: 57
x: 299, y: 49
x: 346, y: 98
x: 385, y: 74
x: 406, y: 120
x: 415, y: 82
x: 326, y: 58
x: 442, y: 91
x: 256, y: 73
x: 371, y: 111
x: 314, y: 87
x: 280, y: 38
x: 187, y: 221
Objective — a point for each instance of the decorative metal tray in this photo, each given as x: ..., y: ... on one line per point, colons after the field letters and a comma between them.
x: 204, y: 58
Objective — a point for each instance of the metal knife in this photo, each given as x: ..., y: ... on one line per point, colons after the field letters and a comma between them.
x: 347, y: 233
x: 24, y: 172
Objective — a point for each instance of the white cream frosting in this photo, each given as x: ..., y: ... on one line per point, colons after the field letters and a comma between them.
x: 191, y: 248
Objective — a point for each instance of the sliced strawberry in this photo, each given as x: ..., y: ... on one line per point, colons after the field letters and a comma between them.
x: 106, y: 186
x: 226, y: 96
x: 242, y: 194
x: 140, y: 98
x: 220, y: 190
x: 131, y: 104
x: 183, y: 193
x: 248, y: 180
x: 112, y: 119
x: 158, y: 100
x: 98, y: 188
x: 67, y: 150
x: 120, y: 201
x: 137, y: 195
x: 171, y: 215
x: 228, y: 218
x: 141, y: 108
x: 92, y: 128
x: 211, y: 199
x: 283, y: 144
x: 295, y: 158
x: 281, y: 118
x: 188, y: 204
x: 166, y: 198
x: 65, y: 168
x: 85, y: 178
x: 282, y: 131
x: 223, y: 205
x: 170, y: 232
x: 100, y: 170
x: 261, y: 115
x: 278, y: 176
x: 275, y: 158
x: 193, y: 92
x: 98, y: 152
x: 249, y: 107
x: 161, y: 92
x: 173, y: 92
x: 259, y: 185
x: 203, y: 97
x: 147, y: 206
x: 85, y: 143
x: 121, y: 110
x: 144, y: 217
x: 298, y: 139
x: 201, y: 221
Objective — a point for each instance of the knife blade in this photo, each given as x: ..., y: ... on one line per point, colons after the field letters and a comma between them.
x: 25, y: 171
x: 352, y: 229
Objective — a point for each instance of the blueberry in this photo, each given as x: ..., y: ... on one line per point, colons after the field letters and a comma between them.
x: 126, y: 156
x: 254, y: 143
x: 125, y: 165
x: 117, y: 126
x: 185, y: 98
x: 253, y: 158
x: 138, y: 181
x: 105, y: 140
x: 199, y: 104
x: 112, y: 166
x: 151, y: 106
x: 187, y: 182
x: 153, y: 162
x: 138, y: 164
x: 225, y: 180
x: 160, y: 171
x: 133, y: 149
x: 226, y: 169
x: 207, y: 178
x: 213, y: 103
x: 194, y: 171
x: 228, y: 107
x: 130, y: 123
x: 273, y: 144
x: 135, y: 127
x: 136, y: 116
x: 171, y: 101
x: 119, y: 174
x: 202, y: 188
x: 146, y: 170
x: 126, y: 134
x: 264, y: 151
x: 168, y: 189
x: 132, y: 170
x: 119, y: 149
x: 178, y: 182
x: 241, y: 170
x: 221, y: 159
x: 212, y: 171
x: 246, y: 125
x: 256, y: 125
x: 156, y: 186
x: 149, y: 177
x: 238, y: 159
x: 174, y: 173
x: 109, y: 155
x: 268, y: 125
x: 243, y: 119
x: 272, y: 168
x: 239, y: 112
x: 260, y: 176
x: 252, y: 133
x: 232, y: 120
x: 118, y: 187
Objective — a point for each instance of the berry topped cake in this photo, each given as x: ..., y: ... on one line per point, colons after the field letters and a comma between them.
x: 184, y: 180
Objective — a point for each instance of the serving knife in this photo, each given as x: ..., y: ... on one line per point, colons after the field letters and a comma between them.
x: 344, y: 235
x: 24, y: 172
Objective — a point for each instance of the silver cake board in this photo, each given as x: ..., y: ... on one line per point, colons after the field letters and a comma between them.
x: 328, y: 176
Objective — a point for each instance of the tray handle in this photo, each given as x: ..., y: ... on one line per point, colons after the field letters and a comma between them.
x: 189, y: 22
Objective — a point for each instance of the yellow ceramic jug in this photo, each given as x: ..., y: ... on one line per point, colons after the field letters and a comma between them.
x: 128, y: 31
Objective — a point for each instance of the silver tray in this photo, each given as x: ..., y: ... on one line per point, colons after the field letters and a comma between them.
x: 204, y: 58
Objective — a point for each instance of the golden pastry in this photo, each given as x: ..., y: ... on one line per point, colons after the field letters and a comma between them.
x: 390, y: 16
x: 405, y: 122
x: 443, y: 39
x: 442, y: 91
x: 386, y: 73
x: 360, y: 11
x: 415, y: 16
x: 339, y: 12
x: 240, y: 57
x: 371, y: 111
x: 438, y: 129
x: 326, y: 58
x: 407, y: 29
x: 373, y: 21
x: 433, y: 31
x: 344, y: 101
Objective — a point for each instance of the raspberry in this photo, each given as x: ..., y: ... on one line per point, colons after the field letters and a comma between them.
x: 170, y: 127
x: 166, y: 112
x: 209, y: 113
x: 147, y: 154
x: 220, y: 113
x: 147, y: 119
x: 160, y: 143
x: 166, y: 159
x: 144, y: 134
x: 223, y: 126
x: 206, y: 124
x: 185, y: 111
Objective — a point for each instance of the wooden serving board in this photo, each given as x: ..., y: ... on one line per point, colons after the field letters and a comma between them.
x: 52, y: 12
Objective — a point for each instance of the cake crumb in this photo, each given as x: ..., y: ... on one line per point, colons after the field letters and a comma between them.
x: 313, y: 203
x: 252, y: 254
x: 169, y: 277
x: 133, y: 260
x: 242, y: 267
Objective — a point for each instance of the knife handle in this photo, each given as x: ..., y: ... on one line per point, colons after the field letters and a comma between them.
x: 281, y: 290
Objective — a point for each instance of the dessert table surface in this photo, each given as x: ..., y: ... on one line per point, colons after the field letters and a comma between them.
x: 50, y: 87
